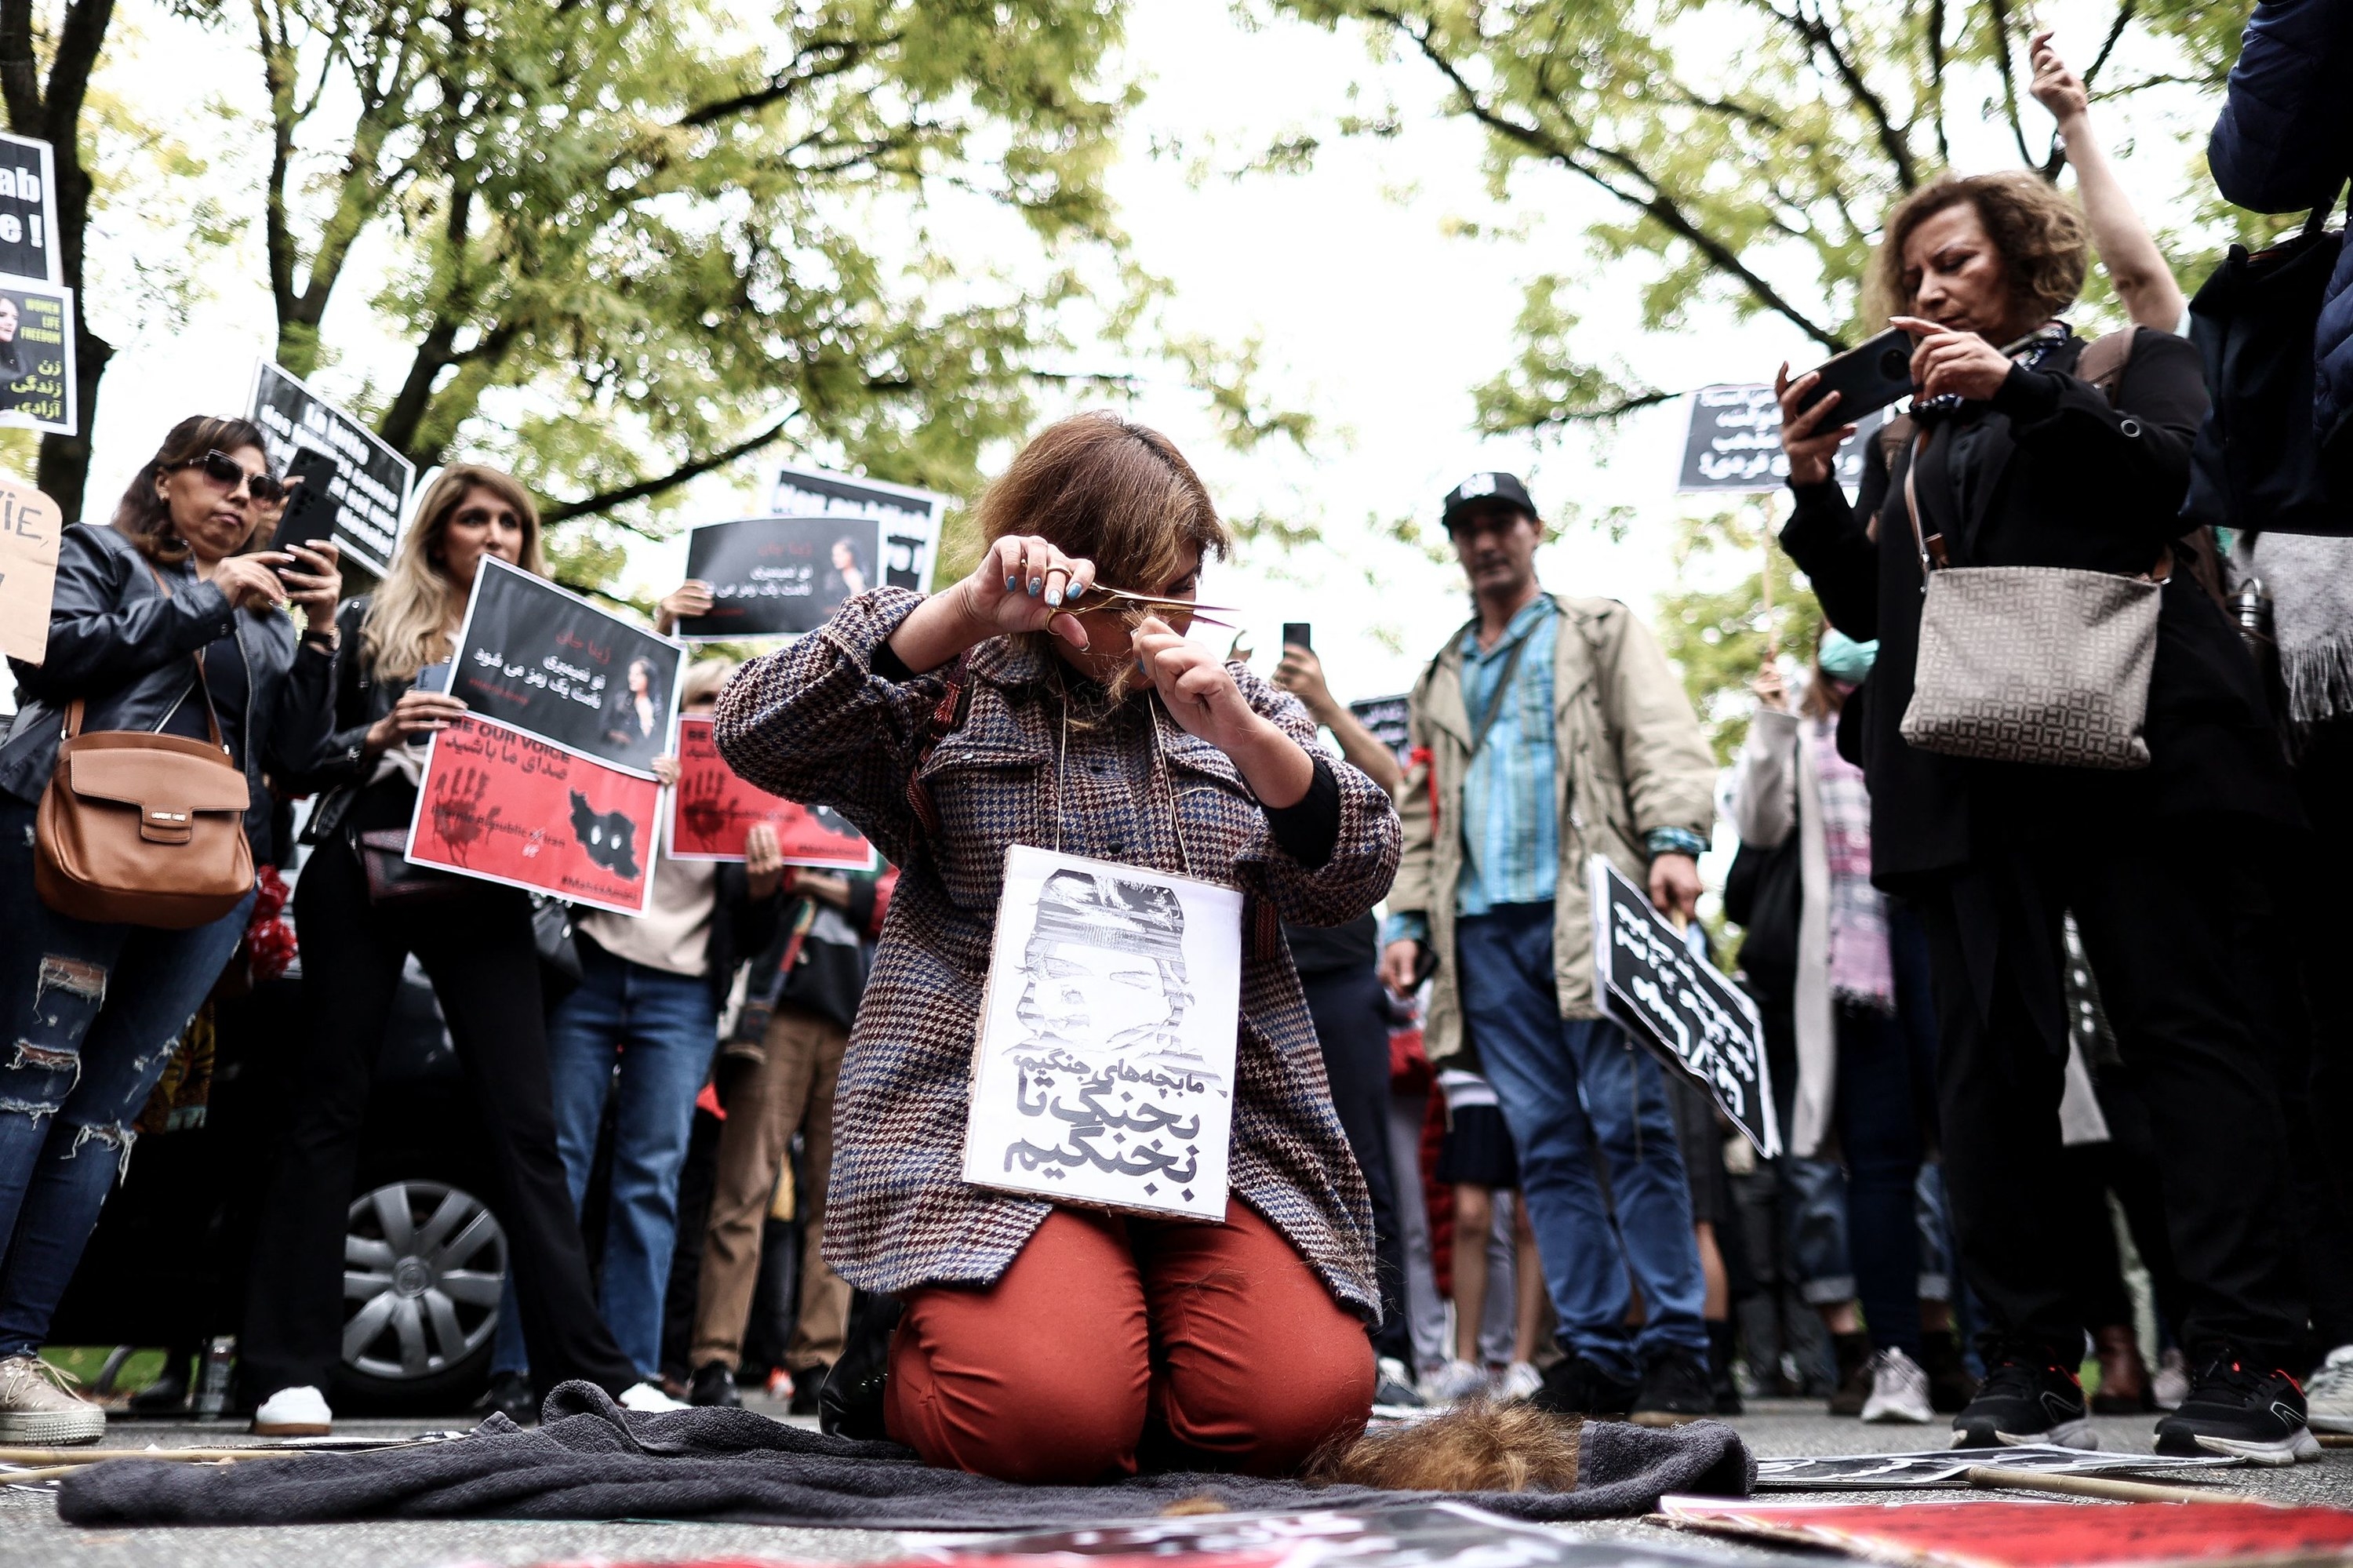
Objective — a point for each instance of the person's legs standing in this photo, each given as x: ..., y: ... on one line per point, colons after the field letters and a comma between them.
x: 1880, y: 1131
x: 1474, y: 1221
x: 1352, y: 1027
x: 671, y: 1030
x: 1505, y: 966
x: 1425, y: 1312
x: 821, y: 1327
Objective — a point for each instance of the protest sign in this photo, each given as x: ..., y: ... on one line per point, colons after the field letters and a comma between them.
x: 1104, y: 1070
x: 1733, y: 443
x: 28, y: 209
x: 778, y: 576
x: 1385, y: 718
x: 36, y: 357
x: 507, y: 807
x: 1938, y: 1468
x: 30, y: 527
x: 547, y: 662
x: 908, y: 519
x: 1675, y: 1002
x: 354, y: 489
x: 2005, y: 1533
x: 712, y: 810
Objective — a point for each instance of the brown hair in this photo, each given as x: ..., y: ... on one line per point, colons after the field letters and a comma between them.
x: 2037, y: 230
x: 1477, y: 1446
x: 145, y: 515
x: 705, y: 679
x: 1116, y: 493
x: 406, y: 625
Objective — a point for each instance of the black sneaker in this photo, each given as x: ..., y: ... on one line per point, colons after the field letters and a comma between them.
x: 714, y: 1383
x: 1575, y: 1386
x: 1675, y: 1389
x: 2025, y: 1398
x: 512, y: 1397
x: 2232, y: 1408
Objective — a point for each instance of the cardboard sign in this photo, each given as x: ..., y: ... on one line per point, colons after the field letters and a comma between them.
x: 507, y: 807
x: 549, y: 662
x: 712, y: 809
x: 28, y: 209
x: 1733, y: 443
x: 356, y: 488
x: 780, y: 576
x: 36, y: 357
x: 1387, y: 718
x: 909, y: 519
x: 2003, y: 1532
x: 1104, y: 1070
x: 30, y: 528
x: 1676, y: 1002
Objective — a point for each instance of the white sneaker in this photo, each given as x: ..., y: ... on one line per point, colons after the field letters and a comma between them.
x: 1520, y: 1380
x: 37, y: 1405
x: 2171, y: 1386
x: 299, y: 1412
x: 2328, y: 1396
x: 1899, y: 1390
x: 648, y: 1399
x: 1453, y: 1382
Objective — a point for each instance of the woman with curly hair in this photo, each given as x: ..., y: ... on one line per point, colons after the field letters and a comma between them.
x: 2026, y: 447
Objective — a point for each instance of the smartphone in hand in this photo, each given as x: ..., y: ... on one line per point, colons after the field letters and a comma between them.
x: 1867, y: 377
x: 310, y: 512
x: 1295, y: 635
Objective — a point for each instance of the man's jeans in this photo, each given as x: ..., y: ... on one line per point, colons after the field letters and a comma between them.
x: 1566, y: 1086
x: 92, y: 1011
x: 662, y: 1029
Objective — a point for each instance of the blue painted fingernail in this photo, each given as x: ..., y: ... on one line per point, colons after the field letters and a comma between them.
x: 1142, y: 669
x: 1054, y: 596
x: 1035, y: 585
x: 1011, y: 582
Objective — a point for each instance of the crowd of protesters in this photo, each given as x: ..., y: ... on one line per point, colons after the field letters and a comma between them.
x: 2027, y: 1011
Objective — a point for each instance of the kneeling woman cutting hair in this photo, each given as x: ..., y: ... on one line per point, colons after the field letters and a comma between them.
x: 1043, y: 1342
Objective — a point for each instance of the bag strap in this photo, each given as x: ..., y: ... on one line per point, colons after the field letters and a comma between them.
x: 1931, y: 548
x: 2103, y: 362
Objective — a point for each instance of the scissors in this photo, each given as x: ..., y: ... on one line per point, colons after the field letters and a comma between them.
x: 1101, y: 597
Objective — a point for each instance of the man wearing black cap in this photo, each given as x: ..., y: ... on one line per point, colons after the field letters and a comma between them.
x: 1547, y: 731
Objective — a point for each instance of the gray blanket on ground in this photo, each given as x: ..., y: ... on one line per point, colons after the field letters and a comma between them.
x: 592, y: 1460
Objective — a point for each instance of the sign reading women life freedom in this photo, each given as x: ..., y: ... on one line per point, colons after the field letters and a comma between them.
x: 1104, y: 1071
x: 549, y: 782
x: 355, y: 487
x: 1674, y: 1002
x: 828, y: 537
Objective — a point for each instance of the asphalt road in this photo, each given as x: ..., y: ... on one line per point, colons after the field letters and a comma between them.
x: 30, y: 1532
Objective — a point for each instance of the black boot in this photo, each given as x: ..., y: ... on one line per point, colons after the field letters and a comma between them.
x: 1853, y: 1353
x: 1719, y: 1367
x: 1950, y: 1386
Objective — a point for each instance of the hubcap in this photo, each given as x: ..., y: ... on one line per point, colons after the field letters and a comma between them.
x: 423, y: 1266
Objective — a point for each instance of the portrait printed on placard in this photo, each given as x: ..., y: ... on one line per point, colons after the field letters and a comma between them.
x: 36, y: 367
x: 1105, y: 1068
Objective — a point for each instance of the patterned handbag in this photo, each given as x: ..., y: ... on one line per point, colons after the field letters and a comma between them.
x: 2041, y: 664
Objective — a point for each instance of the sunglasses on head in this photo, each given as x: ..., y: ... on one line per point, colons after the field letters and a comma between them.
x: 228, y: 474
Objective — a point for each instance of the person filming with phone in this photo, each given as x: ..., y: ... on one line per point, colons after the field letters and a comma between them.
x: 2059, y: 720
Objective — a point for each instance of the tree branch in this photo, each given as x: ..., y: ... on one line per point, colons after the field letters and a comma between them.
x: 694, y: 468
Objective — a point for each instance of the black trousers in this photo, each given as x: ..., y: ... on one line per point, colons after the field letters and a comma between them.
x: 477, y: 948
x: 1352, y: 1025
x: 2157, y: 921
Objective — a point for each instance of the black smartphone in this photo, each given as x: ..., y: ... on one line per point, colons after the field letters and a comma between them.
x: 1294, y: 635
x: 310, y: 512
x: 1867, y: 377
x: 433, y: 678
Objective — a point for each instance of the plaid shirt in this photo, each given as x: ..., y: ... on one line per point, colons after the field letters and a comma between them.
x: 814, y: 723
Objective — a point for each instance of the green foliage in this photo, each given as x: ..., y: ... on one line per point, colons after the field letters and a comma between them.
x: 633, y: 241
x: 1719, y: 637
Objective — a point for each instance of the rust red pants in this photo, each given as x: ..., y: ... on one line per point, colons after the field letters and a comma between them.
x: 1205, y: 1347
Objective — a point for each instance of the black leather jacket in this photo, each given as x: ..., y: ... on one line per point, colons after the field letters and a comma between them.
x: 342, y: 764
x: 124, y: 646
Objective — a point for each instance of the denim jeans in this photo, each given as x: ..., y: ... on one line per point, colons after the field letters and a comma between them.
x: 92, y: 1012
x: 1568, y: 1085
x: 660, y: 1028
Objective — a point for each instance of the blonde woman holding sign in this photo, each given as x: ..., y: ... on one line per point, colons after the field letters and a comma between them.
x: 1041, y: 1342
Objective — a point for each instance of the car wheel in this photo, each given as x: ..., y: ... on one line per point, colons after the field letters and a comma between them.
x: 424, y: 1264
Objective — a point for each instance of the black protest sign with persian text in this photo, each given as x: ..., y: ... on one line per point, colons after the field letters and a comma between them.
x: 1733, y: 443
x: 549, y: 662
x: 28, y: 209
x: 355, y: 487
x: 780, y: 576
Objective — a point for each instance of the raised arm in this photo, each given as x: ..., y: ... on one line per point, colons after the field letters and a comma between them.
x: 2143, y: 280
x: 2284, y: 138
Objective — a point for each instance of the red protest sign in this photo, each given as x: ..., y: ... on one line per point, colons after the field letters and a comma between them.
x: 712, y: 810
x: 2016, y: 1533
x: 507, y: 807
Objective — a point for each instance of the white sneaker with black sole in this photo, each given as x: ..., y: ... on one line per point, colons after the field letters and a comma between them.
x: 38, y: 1406
x: 1899, y: 1390
x: 646, y: 1398
x: 1520, y: 1380
x: 297, y: 1412
x: 2328, y: 1392
x: 1454, y: 1383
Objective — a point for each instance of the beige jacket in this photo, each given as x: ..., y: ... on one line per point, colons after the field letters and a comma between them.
x: 1631, y: 759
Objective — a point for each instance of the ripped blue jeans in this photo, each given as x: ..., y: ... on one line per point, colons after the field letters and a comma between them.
x: 89, y: 1014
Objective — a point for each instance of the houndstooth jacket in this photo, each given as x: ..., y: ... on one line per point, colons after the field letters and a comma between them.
x: 814, y: 723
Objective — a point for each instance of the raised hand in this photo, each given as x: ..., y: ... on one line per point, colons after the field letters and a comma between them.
x: 1811, y: 448
x: 1020, y: 585
x: 320, y: 585
x: 1961, y: 363
x: 684, y: 602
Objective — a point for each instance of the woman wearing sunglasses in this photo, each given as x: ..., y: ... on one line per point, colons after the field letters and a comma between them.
x: 157, y: 618
x: 1044, y: 1342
